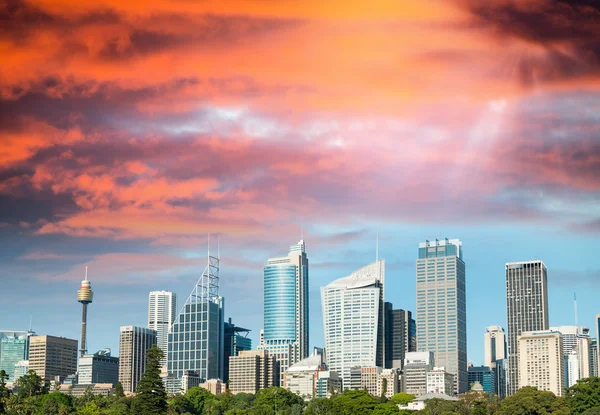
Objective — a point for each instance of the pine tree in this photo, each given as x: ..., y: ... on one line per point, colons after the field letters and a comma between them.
x: 119, y: 393
x: 151, y: 397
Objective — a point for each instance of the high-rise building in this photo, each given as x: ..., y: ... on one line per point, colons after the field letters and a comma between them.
x: 441, y: 307
x: 541, y: 361
x: 440, y: 381
x: 133, y: 345
x: 494, y: 341
x: 21, y: 369
x: 400, y: 335
x: 502, y: 376
x: 286, y: 307
x: 52, y: 356
x: 236, y: 340
x: 416, y: 367
x: 196, y: 337
x: 252, y: 370
x: 162, y: 309
x: 353, y: 315
x: 301, y: 378
x: 597, y: 324
x: 485, y: 375
x: 99, y: 367
x: 593, y: 358
x: 14, y: 347
x: 576, y: 344
x: 85, y: 297
x: 526, y: 308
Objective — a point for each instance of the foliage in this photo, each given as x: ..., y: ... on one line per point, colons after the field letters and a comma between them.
x: 32, y: 385
x: 592, y: 411
x: 353, y: 402
x: 198, y: 398
x: 584, y: 395
x: 4, y: 392
x: 119, y: 392
x: 151, y: 397
x: 530, y: 401
x: 320, y: 406
x: 277, y: 398
x: 444, y: 407
x: 56, y: 403
x: 388, y: 408
x: 402, y: 398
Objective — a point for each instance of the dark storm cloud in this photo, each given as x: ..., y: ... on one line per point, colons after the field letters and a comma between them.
x: 569, y: 32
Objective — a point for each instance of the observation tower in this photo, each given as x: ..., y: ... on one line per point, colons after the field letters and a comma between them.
x: 85, y: 297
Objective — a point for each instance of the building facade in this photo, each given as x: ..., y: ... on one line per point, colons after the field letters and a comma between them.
x: 576, y: 348
x: 214, y: 386
x: 440, y: 381
x: 541, y: 361
x: 526, y: 308
x: 236, y: 340
x: 494, y: 341
x: 51, y: 356
x: 252, y: 370
x: 353, y: 315
x: 196, y: 340
x: 134, y: 342
x: 99, y: 367
x: 21, y: 369
x: 485, y: 375
x: 286, y: 307
x: 329, y: 383
x: 416, y: 367
x: 162, y: 310
x: 593, y: 358
x: 301, y: 378
x: 400, y: 335
x: 14, y: 347
x: 441, y: 306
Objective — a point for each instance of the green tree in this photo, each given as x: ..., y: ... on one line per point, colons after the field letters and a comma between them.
x: 90, y: 408
x: 56, y: 403
x: 320, y: 406
x: 444, y: 407
x: 353, y: 402
x: 530, y: 401
x: 198, y: 399
x: 179, y: 404
x: 32, y: 385
x: 402, y: 398
x: 388, y: 408
x: 119, y: 392
x: 384, y: 383
x: 584, y: 395
x: 239, y: 412
x: 242, y: 400
x: 151, y: 397
x: 4, y: 392
x: 279, y: 399
x: 592, y: 411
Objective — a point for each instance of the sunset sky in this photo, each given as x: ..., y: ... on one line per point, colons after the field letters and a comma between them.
x: 129, y: 130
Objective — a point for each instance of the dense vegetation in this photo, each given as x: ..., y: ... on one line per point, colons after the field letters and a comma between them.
x: 35, y: 398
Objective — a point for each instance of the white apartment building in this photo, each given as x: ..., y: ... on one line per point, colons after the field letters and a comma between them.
x: 162, y: 310
x: 541, y: 361
x: 440, y: 381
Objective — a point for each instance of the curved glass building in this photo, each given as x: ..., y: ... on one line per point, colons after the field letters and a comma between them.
x: 280, y: 302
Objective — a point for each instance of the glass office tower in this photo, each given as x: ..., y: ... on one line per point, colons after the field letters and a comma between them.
x: 14, y: 347
x: 441, y: 307
x: 196, y: 337
x: 286, y: 307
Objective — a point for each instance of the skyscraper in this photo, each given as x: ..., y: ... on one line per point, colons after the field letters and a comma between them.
x: 286, y: 307
x: 576, y: 348
x: 99, y: 367
x: 526, y: 308
x: 133, y: 344
x: 353, y: 316
x: 52, y: 356
x: 593, y: 358
x: 162, y: 309
x: 541, y: 361
x: 400, y: 336
x: 252, y: 370
x: 494, y: 341
x: 14, y: 347
x: 196, y: 337
x: 236, y: 340
x: 597, y: 321
x: 441, y: 307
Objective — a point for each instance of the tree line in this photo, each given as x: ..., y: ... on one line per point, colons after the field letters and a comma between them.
x: 35, y: 398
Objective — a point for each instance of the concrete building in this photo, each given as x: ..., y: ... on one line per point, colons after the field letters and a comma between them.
x: 236, y: 340
x: 14, y: 347
x: 441, y: 306
x: 440, y: 381
x: 80, y: 390
x: 485, y: 376
x: 400, y: 335
x: 526, y: 308
x: 369, y: 380
x: 597, y: 324
x: 502, y: 376
x: 541, y: 361
x: 353, y: 315
x: 252, y: 370
x: 133, y: 343
x: 301, y: 378
x: 328, y: 384
x: 390, y: 380
x: 495, y: 349
x: 416, y: 367
x: 162, y: 310
x: 196, y: 338
x: 21, y: 369
x: 52, y: 356
x: 214, y: 386
x: 99, y: 367
x: 576, y: 344
x: 286, y: 307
